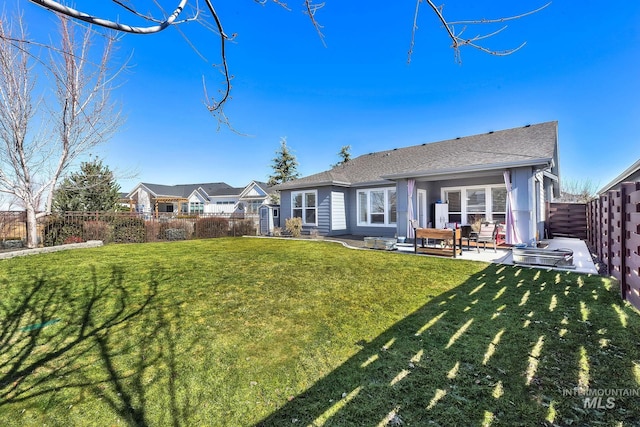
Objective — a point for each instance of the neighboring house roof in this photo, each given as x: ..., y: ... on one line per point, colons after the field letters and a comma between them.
x: 530, y: 145
x: 632, y: 173
x: 185, y: 190
x: 212, y: 189
x: 255, y: 189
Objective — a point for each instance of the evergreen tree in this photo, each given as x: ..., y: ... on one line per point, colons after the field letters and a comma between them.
x: 285, y: 165
x: 93, y: 188
x: 344, y: 154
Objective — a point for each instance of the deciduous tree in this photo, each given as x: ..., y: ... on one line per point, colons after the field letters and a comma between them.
x: 578, y: 191
x: 54, y: 106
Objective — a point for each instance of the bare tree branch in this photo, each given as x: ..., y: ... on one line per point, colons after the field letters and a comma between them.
x: 73, y: 13
x: 217, y: 105
x: 310, y: 8
x: 497, y: 20
x: 456, y: 38
x: 150, y: 18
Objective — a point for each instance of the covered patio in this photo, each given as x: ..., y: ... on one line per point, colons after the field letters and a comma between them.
x: 582, y: 258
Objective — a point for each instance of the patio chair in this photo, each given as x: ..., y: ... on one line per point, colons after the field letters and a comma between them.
x: 488, y: 233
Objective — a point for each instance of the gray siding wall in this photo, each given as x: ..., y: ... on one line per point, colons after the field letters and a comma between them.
x: 323, y: 210
x: 352, y: 215
x: 285, y: 207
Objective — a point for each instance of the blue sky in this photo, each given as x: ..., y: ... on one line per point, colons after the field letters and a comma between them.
x: 580, y: 66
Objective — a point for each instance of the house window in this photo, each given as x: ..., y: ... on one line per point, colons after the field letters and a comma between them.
x: 196, y: 208
x: 304, y: 205
x: 499, y: 204
x: 454, y: 199
x: 476, y: 204
x: 468, y: 205
x: 253, y: 206
x: 275, y: 213
x: 377, y: 207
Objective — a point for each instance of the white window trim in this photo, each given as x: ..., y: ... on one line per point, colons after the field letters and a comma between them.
x: 463, y: 199
x: 304, y: 200
x: 386, y: 207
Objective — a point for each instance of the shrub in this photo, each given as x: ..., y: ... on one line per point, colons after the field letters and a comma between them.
x: 56, y: 231
x: 175, y: 230
x: 212, y: 227
x: 73, y: 239
x: 294, y: 226
x: 96, y: 230
x: 244, y: 227
x: 152, y: 230
x: 128, y: 230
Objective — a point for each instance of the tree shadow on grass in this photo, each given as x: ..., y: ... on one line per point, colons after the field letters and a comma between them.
x: 510, y: 346
x: 71, y: 345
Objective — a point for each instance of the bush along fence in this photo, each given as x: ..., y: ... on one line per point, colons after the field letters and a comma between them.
x: 614, y: 231
x: 125, y: 227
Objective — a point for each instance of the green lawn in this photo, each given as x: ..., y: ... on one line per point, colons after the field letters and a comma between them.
x: 244, y: 332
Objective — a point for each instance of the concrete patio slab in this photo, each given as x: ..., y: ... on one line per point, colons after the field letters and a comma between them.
x: 581, y: 256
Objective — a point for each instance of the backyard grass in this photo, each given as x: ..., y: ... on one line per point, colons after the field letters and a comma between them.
x: 245, y: 332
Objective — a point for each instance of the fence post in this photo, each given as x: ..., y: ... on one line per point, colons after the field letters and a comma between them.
x: 623, y: 241
x: 608, y: 220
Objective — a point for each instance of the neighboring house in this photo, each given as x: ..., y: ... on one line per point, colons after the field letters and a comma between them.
x: 378, y: 194
x: 194, y: 199
x: 632, y: 174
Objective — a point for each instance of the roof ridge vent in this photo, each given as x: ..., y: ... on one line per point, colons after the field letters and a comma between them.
x: 527, y: 126
x: 490, y: 132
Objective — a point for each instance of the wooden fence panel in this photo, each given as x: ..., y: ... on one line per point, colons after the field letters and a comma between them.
x: 567, y: 220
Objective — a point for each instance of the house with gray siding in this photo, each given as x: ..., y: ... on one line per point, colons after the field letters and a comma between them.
x: 504, y: 176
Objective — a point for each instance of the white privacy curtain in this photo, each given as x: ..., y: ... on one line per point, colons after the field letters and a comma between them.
x: 511, y: 233
x: 411, y: 183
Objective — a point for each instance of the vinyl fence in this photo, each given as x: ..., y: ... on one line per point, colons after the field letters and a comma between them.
x: 614, y: 230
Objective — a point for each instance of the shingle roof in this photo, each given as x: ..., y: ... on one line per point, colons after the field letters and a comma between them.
x: 185, y: 190
x: 531, y: 144
x: 632, y: 173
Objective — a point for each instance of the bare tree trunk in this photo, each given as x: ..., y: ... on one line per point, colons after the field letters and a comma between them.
x: 32, y: 226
